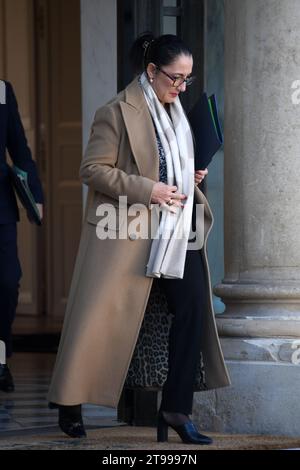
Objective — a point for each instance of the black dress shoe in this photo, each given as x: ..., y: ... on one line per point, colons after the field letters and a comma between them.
x: 6, y: 379
x: 70, y: 419
x: 187, y: 432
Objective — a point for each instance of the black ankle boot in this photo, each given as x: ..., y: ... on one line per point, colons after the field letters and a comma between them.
x: 187, y: 432
x: 70, y: 420
x: 6, y: 379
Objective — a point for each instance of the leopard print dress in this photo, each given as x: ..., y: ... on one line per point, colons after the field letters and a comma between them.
x: 149, y: 365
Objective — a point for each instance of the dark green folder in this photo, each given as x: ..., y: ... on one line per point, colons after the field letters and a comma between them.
x: 21, y: 187
x: 205, y: 124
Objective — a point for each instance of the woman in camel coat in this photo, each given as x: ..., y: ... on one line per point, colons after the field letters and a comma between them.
x: 110, y: 288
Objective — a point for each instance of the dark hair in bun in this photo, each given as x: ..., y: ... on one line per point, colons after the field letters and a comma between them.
x: 161, y: 51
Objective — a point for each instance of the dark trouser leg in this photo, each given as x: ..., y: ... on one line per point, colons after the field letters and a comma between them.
x: 10, y: 275
x: 186, y: 300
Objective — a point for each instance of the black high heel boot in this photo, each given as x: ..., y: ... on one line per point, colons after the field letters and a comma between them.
x: 70, y: 419
x: 187, y: 432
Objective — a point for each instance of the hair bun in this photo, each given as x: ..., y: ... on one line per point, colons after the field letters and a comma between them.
x: 165, y: 50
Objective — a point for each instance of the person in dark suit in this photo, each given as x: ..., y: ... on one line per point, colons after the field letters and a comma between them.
x: 12, y: 138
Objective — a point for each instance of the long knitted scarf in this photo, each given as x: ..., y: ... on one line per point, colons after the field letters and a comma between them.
x: 168, y: 249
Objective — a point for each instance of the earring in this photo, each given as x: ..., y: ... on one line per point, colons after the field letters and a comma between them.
x: 151, y: 80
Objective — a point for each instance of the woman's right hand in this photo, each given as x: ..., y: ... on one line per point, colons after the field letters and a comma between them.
x: 164, y: 194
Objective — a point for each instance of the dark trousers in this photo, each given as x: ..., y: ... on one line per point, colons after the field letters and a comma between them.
x: 10, y: 275
x: 186, y: 301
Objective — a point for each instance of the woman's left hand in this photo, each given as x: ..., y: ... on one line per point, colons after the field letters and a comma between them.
x: 200, y: 175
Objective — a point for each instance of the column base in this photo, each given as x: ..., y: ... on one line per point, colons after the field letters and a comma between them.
x: 263, y: 399
x: 266, y: 309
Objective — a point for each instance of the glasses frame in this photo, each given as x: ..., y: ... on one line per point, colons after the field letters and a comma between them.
x: 188, y: 81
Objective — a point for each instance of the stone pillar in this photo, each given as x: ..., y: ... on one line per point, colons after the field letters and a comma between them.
x: 98, y: 58
x: 260, y: 328
x: 261, y: 288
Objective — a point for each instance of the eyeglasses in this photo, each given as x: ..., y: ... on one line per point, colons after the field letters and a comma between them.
x: 177, y: 81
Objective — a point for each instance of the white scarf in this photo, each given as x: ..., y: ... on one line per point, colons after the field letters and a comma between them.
x: 168, y: 249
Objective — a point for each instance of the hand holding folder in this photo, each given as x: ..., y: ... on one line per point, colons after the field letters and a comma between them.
x: 206, y: 128
x: 21, y: 187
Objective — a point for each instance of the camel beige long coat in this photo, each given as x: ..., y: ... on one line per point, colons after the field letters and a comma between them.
x: 109, y: 290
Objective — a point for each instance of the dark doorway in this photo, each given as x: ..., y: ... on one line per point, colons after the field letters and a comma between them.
x: 182, y: 17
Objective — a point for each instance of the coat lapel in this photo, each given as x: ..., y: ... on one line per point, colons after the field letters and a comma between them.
x: 140, y: 131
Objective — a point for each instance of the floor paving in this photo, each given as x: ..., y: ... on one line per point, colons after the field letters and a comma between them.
x: 26, y: 422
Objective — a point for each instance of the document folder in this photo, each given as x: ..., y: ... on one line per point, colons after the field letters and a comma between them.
x: 205, y: 124
x: 21, y: 187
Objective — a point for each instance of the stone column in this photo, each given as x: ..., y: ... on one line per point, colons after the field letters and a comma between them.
x: 98, y: 58
x: 260, y: 328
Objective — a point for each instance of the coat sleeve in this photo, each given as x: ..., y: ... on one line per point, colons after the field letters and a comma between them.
x: 18, y: 148
x: 99, y: 166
